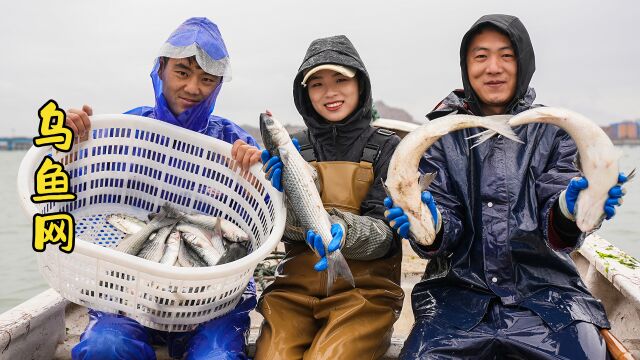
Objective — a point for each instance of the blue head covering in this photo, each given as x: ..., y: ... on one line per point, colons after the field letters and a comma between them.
x: 201, y: 38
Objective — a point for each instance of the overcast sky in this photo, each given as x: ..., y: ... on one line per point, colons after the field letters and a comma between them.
x: 101, y: 52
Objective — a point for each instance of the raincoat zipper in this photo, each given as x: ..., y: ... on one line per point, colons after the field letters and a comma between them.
x: 334, y: 135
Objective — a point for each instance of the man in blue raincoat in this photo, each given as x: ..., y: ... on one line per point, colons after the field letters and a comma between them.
x: 500, y: 282
x: 187, y: 78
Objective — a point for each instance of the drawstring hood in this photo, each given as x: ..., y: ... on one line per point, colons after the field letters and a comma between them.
x: 341, y: 135
x: 200, y: 38
x: 513, y: 28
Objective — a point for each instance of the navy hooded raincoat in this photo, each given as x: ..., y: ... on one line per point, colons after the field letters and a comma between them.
x: 503, y: 238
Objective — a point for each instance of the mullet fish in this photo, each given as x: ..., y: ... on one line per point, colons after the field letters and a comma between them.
x: 404, y: 184
x: 302, y: 193
x: 133, y: 243
x: 597, y: 159
x: 174, y: 238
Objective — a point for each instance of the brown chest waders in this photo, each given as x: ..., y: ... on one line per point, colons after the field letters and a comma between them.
x: 300, y: 321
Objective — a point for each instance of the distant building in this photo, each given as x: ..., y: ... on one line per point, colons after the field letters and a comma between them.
x: 625, y: 132
x: 15, y: 143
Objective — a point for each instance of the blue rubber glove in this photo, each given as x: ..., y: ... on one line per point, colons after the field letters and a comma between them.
x: 315, y: 241
x: 400, y: 222
x: 273, y: 166
x: 580, y: 183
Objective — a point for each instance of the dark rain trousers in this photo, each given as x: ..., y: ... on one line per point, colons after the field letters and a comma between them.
x: 505, y: 332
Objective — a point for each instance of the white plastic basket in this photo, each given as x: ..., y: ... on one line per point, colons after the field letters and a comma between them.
x: 133, y: 165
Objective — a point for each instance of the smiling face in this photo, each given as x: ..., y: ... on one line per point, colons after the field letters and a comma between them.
x: 184, y: 83
x: 333, y: 96
x: 493, y: 70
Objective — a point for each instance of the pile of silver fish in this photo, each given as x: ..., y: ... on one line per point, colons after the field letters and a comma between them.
x: 302, y: 194
x: 175, y: 238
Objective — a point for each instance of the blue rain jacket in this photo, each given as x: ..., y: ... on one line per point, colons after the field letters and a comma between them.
x: 500, y: 240
x: 118, y: 337
x: 200, y: 118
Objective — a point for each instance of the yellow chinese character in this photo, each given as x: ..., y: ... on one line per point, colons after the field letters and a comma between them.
x: 52, y: 183
x: 53, y: 228
x: 52, y: 129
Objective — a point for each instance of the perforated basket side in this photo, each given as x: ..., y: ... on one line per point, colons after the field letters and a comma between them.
x: 134, y: 165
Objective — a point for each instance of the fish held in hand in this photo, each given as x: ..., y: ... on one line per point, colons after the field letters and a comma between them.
x: 301, y: 191
x: 598, y: 159
x: 404, y: 184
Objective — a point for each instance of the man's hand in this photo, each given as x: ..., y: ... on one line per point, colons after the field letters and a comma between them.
x: 315, y: 241
x: 273, y: 167
x: 570, y: 197
x: 400, y: 222
x: 78, y: 121
x: 244, y: 154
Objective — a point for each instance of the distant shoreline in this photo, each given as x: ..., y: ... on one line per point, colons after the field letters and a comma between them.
x: 633, y: 142
x: 24, y: 146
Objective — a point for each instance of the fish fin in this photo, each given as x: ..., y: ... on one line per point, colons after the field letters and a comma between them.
x: 172, y: 211
x: 482, y: 137
x: 161, y: 214
x: 217, y: 231
x: 500, y: 124
x: 386, y: 189
x: 337, y: 267
x: 317, y: 180
x: 576, y: 162
x: 631, y: 175
x: 218, y: 226
x: 425, y: 180
x: 482, y: 133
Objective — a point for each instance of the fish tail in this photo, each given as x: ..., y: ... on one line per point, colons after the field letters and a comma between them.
x: 502, y: 127
x: 386, y: 189
x: 496, y: 125
x: 482, y: 133
x: 337, y: 267
x: 482, y: 137
x: 171, y: 211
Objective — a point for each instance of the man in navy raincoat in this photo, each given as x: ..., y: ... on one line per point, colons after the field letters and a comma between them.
x: 187, y: 78
x: 500, y: 281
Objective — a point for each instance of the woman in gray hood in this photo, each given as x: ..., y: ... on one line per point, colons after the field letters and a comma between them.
x: 332, y: 92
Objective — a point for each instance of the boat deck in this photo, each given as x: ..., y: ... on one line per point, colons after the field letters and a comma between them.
x: 76, y: 318
x: 48, y: 326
